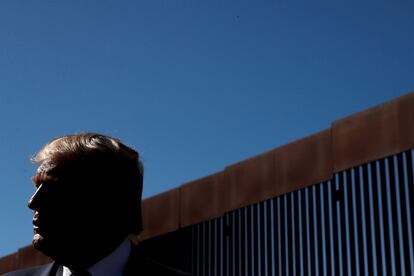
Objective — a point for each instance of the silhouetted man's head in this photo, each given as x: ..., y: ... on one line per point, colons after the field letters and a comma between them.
x: 87, y: 199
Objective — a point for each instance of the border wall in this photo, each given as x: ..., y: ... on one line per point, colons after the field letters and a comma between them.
x: 338, y: 202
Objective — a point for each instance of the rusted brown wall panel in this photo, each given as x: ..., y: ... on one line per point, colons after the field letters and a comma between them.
x: 8, y: 263
x: 366, y: 136
x: 303, y: 163
x: 251, y: 181
x: 160, y: 214
x: 203, y: 199
x: 28, y: 257
x: 405, y: 109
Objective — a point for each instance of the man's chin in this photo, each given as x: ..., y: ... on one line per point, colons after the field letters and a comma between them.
x: 43, y: 245
x: 53, y: 249
x: 37, y: 241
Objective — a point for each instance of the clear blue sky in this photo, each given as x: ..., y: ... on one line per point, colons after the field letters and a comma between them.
x: 193, y: 85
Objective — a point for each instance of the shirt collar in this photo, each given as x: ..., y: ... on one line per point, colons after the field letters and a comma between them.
x: 114, y: 264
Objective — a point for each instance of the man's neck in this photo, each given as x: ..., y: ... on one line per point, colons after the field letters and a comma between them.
x: 112, y: 264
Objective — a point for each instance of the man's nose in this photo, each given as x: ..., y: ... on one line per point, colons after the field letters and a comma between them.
x: 35, y: 199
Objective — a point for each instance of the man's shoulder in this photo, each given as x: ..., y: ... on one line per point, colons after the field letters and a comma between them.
x: 41, y: 270
x: 151, y: 267
x: 139, y: 264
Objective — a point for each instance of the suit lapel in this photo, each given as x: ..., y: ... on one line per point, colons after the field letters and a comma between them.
x: 53, y: 269
x: 133, y: 265
x: 57, y: 270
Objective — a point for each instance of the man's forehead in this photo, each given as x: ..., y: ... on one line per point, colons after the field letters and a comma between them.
x: 70, y: 168
x: 46, y: 171
x: 58, y: 165
x: 54, y: 171
x: 45, y: 167
x: 53, y: 168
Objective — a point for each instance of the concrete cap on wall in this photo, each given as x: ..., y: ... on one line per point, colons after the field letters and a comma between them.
x: 203, y: 199
x: 28, y: 256
x: 303, y: 163
x: 8, y: 263
x: 374, y: 133
x: 251, y: 180
x: 160, y: 214
x: 405, y: 110
x: 288, y: 168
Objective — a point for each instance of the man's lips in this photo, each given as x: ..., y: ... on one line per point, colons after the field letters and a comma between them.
x: 35, y: 218
x: 41, y: 225
x: 40, y: 231
x: 36, y: 223
x: 35, y: 226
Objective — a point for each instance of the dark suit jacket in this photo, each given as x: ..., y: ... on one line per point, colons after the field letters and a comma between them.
x: 137, y: 265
